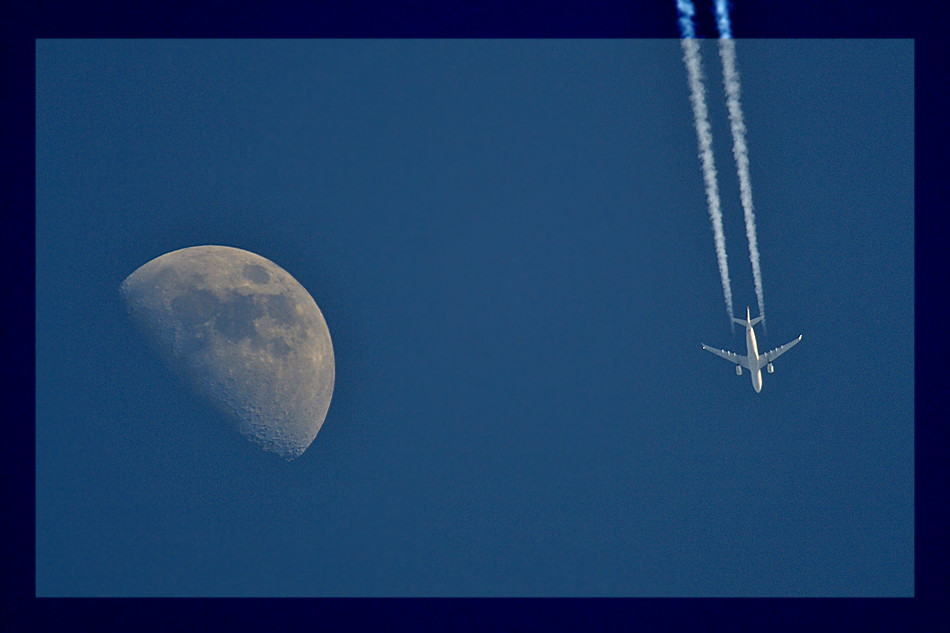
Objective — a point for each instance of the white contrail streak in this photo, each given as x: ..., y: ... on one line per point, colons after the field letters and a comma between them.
x: 727, y: 51
x: 722, y: 19
x: 704, y: 134
x: 687, y: 11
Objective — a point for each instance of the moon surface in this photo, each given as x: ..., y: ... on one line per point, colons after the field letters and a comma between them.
x: 243, y: 333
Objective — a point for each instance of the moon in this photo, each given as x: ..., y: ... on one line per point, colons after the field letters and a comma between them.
x: 244, y: 334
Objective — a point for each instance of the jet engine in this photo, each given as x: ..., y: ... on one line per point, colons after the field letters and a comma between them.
x: 770, y: 368
x: 738, y: 370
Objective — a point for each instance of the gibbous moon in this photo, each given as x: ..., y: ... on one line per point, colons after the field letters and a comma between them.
x: 243, y: 333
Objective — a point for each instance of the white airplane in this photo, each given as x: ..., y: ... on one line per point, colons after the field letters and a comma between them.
x: 754, y: 361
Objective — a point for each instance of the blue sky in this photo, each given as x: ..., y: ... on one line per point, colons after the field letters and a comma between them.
x: 510, y: 244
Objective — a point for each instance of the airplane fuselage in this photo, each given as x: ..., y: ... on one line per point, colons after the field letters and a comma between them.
x: 753, y: 355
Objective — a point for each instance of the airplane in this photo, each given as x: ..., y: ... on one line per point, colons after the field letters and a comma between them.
x: 754, y: 361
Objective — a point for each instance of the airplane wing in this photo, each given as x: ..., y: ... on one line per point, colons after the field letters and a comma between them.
x: 768, y: 357
x: 729, y: 356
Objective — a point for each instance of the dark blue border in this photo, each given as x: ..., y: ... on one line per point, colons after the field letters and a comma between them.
x: 21, y: 25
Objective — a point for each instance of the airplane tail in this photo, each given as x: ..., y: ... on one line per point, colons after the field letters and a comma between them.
x: 743, y: 322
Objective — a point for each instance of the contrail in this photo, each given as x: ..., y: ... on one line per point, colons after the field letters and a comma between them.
x: 727, y: 51
x: 704, y: 134
x: 687, y: 11
x: 722, y: 19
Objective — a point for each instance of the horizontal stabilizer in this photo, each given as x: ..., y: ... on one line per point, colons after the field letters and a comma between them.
x: 743, y: 323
